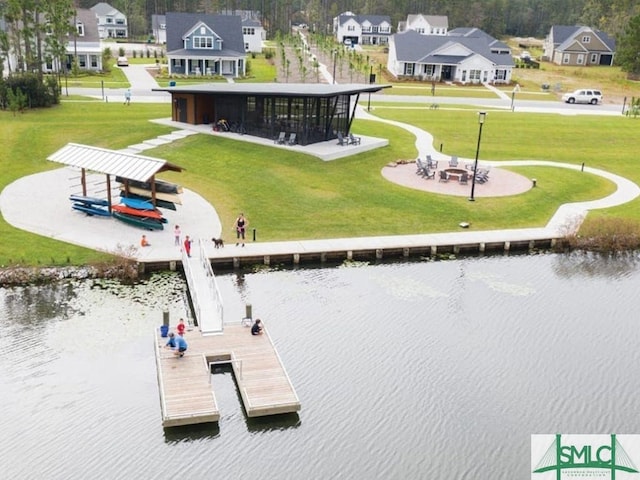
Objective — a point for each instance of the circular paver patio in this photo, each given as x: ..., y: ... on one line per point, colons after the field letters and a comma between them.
x: 501, y: 182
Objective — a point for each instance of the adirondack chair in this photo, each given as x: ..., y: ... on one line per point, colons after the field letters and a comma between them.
x: 341, y: 140
x: 444, y: 176
x: 292, y: 139
x: 354, y: 140
x: 280, y: 139
x: 453, y: 162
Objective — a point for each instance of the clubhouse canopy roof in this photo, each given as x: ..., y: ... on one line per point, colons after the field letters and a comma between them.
x: 277, y: 89
x: 110, y: 162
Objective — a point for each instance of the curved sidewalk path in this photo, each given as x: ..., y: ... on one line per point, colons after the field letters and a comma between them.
x: 569, y: 216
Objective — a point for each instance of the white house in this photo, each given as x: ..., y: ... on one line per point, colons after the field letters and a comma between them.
x: 362, y: 29
x: 253, y: 32
x: 463, y: 56
x: 425, y: 24
x: 159, y: 28
x: 111, y: 22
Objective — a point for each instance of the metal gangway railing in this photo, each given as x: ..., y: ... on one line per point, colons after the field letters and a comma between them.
x: 203, y: 289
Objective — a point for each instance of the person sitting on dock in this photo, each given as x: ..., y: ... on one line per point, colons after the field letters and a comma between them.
x: 144, y: 242
x: 181, y: 346
x: 256, y: 328
x: 172, y: 341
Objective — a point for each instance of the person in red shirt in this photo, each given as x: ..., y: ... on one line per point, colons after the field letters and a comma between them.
x: 187, y: 246
x: 181, y: 327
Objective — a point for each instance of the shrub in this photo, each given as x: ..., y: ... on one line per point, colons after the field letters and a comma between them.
x: 606, y: 235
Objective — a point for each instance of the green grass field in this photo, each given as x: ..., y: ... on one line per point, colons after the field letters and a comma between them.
x: 288, y: 195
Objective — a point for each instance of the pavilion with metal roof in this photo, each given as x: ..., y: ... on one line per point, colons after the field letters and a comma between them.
x: 312, y: 112
x: 110, y: 162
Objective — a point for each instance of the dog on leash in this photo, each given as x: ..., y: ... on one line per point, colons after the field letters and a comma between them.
x: 217, y: 242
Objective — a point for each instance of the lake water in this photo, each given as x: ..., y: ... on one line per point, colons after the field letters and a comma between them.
x: 434, y: 370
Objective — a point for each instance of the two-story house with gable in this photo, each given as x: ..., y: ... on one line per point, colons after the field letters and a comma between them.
x: 464, y: 56
x: 84, y: 44
x: 425, y: 24
x: 111, y: 22
x: 581, y: 46
x: 362, y: 29
x: 253, y: 32
x: 201, y: 44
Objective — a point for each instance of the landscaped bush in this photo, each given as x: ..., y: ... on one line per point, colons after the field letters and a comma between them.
x: 28, y: 90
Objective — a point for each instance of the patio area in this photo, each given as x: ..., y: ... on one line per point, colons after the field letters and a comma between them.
x: 501, y: 182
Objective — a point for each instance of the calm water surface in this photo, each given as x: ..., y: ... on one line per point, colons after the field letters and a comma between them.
x: 405, y: 371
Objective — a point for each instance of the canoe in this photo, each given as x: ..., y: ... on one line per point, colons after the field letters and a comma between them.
x: 88, y: 200
x: 159, y: 203
x: 155, y: 214
x: 161, y: 185
x: 138, y: 203
x: 143, y: 192
x: 91, y: 209
x: 146, y: 223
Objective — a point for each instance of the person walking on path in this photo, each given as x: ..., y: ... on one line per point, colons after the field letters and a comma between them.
x: 127, y: 97
x: 240, y: 226
x: 187, y: 246
x: 177, y: 233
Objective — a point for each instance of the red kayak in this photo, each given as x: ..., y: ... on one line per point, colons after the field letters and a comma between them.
x: 156, y: 214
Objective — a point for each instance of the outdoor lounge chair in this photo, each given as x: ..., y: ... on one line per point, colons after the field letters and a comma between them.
x: 464, y: 178
x: 281, y: 138
x: 354, y: 140
x: 453, y: 162
x: 444, y: 176
x: 431, y: 163
x: 292, y: 139
x: 341, y: 140
x: 429, y: 174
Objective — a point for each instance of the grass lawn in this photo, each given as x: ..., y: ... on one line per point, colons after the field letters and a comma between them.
x: 288, y: 195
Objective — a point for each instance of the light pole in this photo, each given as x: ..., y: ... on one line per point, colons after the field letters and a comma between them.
x: 335, y: 54
x: 481, y: 117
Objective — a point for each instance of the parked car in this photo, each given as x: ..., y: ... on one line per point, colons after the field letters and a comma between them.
x: 583, y: 96
x: 123, y: 62
x: 525, y: 55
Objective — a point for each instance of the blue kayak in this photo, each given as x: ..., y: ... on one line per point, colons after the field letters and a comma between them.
x: 89, y: 200
x: 91, y: 209
x: 137, y: 203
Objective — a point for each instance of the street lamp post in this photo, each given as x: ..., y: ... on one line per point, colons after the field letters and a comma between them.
x: 335, y: 54
x: 481, y: 118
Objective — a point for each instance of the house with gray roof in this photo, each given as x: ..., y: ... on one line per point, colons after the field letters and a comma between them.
x: 579, y: 46
x: 85, y: 43
x: 112, y: 23
x: 425, y: 24
x: 462, y: 56
x: 253, y: 32
x: 202, y: 44
x: 362, y: 29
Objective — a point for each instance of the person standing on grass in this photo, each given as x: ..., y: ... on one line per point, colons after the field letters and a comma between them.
x: 240, y: 226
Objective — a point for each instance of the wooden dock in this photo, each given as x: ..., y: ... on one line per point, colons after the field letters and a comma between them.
x: 186, y: 392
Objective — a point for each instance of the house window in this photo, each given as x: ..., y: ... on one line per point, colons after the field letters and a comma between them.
x: 463, y: 77
x: 351, y: 28
x: 109, y: 20
x: 163, y: 26
x: 594, y: 58
x: 246, y: 46
x: 586, y: 39
x: 384, y: 29
x: 501, y: 74
x: 94, y: 61
x: 566, y: 58
x: 248, y: 31
x: 203, y: 30
x: 420, y: 31
x: 80, y: 29
x: 82, y: 61
x: 474, y: 75
x: 580, y: 59
x: 375, y: 29
x: 202, y: 42
x: 429, y: 70
x: 408, y: 68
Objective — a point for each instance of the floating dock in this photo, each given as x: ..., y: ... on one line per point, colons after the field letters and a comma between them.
x: 186, y: 392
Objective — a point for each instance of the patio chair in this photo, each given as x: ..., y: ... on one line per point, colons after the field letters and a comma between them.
x: 292, y: 139
x: 464, y: 178
x: 420, y: 167
x: 354, y: 140
x: 444, y: 176
x: 429, y: 174
x: 453, y: 163
x: 341, y: 140
x: 280, y: 138
x: 431, y: 163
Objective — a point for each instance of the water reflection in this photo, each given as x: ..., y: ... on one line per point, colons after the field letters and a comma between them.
x: 588, y: 264
x: 191, y: 433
